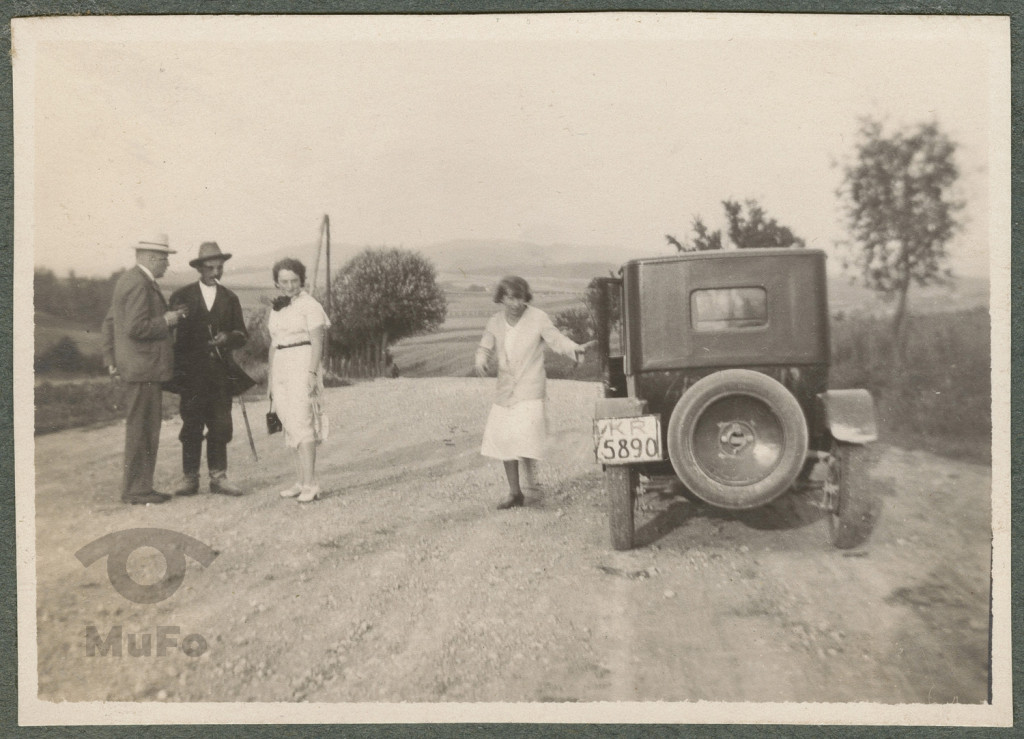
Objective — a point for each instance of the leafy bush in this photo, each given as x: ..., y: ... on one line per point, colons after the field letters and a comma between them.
x: 253, y: 355
x: 576, y: 323
x: 379, y: 297
x: 64, y: 356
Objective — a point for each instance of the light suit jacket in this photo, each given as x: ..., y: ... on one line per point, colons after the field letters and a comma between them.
x: 523, y: 377
x: 136, y: 338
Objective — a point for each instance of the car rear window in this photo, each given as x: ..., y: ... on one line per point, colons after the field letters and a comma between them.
x: 721, y: 309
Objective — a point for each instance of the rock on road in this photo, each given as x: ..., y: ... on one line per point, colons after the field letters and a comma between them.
x: 405, y: 584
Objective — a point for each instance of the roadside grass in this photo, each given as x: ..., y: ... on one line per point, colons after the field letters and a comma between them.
x: 940, y: 399
x: 84, y: 402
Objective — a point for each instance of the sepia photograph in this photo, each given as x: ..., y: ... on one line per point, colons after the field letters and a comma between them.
x: 610, y: 367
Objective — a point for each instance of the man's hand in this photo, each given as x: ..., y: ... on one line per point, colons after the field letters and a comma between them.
x: 115, y: 376
x: 173, y: 316
x: 480, y: 369
x: 220, y: 339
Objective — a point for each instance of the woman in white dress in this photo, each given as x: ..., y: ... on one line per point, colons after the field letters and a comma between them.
x: 514, y: 339
x: 295, y: 383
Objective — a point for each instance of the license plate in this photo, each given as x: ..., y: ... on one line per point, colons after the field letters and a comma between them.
x: 628, y: 440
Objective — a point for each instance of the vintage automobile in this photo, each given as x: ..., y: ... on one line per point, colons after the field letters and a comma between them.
x: 721, y: 364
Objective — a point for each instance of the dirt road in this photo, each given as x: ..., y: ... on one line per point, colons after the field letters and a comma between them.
x: 405, y: 584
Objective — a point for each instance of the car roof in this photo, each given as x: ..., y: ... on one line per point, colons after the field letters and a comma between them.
x: 730, y: 254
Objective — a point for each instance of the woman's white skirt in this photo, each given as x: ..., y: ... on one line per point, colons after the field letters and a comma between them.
x: 517, y: 432
x: 297, y: 411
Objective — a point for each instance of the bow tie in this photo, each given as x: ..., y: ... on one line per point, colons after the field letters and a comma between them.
x: 280, y: 302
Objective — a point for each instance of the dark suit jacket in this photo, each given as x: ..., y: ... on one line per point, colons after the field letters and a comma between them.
x: 196, y: 364
x: 136, y: 338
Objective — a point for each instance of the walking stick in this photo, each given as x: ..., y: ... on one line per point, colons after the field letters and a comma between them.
x: 245, y: 416
x: 248, y: 431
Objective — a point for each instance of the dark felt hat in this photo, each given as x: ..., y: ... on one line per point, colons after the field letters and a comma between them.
x: 208, y: 250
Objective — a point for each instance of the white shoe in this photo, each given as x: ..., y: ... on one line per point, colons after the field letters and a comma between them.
x: 309, y: 493
x: 292, y: 491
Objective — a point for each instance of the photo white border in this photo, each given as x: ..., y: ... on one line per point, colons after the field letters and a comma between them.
x: 28, y: 33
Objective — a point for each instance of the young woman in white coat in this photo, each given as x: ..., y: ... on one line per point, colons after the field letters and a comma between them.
x: 514, y: 340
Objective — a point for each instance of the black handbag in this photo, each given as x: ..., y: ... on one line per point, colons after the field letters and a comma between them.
x: 273, y: 422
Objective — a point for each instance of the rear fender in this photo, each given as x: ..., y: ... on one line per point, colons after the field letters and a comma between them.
x: 849, y: 415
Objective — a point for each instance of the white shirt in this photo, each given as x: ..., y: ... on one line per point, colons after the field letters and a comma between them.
x: 511, y: 334
x: 209, y: 294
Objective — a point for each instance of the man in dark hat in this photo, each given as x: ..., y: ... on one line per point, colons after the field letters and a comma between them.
x: 205, y: 374
x: 137, y: 348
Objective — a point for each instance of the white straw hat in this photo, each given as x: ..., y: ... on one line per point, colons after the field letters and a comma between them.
x: 157, y: 242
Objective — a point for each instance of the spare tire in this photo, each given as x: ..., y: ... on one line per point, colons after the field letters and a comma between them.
x: 737, y: 439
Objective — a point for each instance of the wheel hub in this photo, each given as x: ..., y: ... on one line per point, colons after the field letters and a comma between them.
x: 735, y: 437
x: 738, y: 440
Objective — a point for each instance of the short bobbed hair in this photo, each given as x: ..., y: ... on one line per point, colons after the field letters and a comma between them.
x: 292, y: 265
x: 515, y: 286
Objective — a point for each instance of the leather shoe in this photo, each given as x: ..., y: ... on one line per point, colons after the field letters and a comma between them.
x: 189, y: 485
x: 512, y: 501
x: 221, y: 486
x: 145, y: 498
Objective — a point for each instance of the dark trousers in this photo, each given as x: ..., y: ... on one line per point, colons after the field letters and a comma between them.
x: 208, y: 407
x: 142, y: 436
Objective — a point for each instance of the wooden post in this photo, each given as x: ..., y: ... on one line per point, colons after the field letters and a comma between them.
x: 325, y: 231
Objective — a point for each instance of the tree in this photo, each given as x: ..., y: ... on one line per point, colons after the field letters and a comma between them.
x: 898, y: 201
x: 82, y: 300
x: 755, y: 230
x: 380, y: 297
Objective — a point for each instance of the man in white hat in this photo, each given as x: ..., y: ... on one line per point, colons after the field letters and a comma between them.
x: 205, y: 374
x: 138, y: 347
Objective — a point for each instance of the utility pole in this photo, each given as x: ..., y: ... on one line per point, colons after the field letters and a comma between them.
x: 325, y: 231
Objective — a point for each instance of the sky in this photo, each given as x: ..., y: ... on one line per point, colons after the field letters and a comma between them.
x: 603, y: 129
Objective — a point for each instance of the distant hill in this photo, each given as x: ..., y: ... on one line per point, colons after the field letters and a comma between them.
x: 482, y: 255
x: 465, y: 257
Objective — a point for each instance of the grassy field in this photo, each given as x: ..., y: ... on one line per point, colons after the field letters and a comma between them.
x: 449, y: 351
x: 49, y: 330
